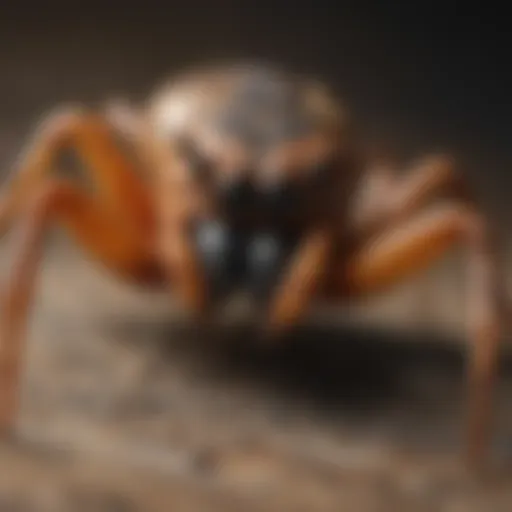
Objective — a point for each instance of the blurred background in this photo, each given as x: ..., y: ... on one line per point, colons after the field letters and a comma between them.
x: 379, y: 405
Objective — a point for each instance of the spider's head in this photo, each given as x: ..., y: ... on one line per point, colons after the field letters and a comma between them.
x: 261, y: 140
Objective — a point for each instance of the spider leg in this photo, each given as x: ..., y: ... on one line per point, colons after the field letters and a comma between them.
x: 302, y: 279
x: 113, y: 174
x: 118, y: 184
x: 106, y: 235
x: 396, y: 238
x: 387, y: 197
x: 390, y: 256
x: 115, y: 224
x: 387, y: 200
x: 176, y: 196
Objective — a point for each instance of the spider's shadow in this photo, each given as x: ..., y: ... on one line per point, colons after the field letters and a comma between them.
x: 330, y: 367
x: 333, y: 367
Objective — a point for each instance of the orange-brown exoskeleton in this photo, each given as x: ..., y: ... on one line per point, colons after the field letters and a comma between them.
x: 253, y: 168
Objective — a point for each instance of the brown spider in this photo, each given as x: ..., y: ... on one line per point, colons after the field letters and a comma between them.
x: 239, y: 155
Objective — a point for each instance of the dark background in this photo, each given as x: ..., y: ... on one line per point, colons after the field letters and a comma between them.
x: 424, y: 76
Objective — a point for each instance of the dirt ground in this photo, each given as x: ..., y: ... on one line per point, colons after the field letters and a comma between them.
x: 126, y: 408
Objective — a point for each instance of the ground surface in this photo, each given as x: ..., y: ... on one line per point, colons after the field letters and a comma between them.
x: 125, y: 409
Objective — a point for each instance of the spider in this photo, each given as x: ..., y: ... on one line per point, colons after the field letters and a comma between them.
x: 246, y: 175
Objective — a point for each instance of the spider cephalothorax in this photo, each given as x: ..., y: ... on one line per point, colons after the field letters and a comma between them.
x: 264, y: 140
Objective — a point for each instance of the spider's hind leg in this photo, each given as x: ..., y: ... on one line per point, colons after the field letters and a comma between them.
x: 381, y: 257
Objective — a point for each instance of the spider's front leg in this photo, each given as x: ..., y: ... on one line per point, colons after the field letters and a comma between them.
x: 399, y: 245
x: 115, y: 224
x: 177, y: 200
x: 301, y: 280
